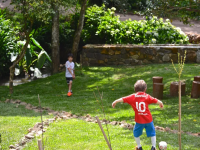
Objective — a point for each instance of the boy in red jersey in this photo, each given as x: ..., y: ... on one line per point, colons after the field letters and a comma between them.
x: 143, y: 117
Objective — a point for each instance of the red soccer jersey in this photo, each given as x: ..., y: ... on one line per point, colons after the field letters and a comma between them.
x: 139, y: 103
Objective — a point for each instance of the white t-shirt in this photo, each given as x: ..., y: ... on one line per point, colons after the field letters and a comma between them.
x: 71, y: 66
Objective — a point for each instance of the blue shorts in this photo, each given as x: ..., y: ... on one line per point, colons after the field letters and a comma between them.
x: 150, y: 129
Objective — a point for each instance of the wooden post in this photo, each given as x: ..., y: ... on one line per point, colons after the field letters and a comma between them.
x: 197, y: 78
x: 174, y: 88
x: 108, y: 143
x: 179, y: 115
x: 157, y: 79
x: 195, y: 90
x: 158, y: 90
x: 40, y: 145
x: 41, y: 119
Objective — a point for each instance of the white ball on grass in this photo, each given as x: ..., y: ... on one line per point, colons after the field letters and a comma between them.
x: 162, y: 145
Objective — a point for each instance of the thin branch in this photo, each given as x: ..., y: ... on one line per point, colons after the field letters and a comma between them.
x: 41, y: 120
x: 101, y: 96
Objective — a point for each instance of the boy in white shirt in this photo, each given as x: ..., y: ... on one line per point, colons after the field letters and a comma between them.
x: 70, y: 74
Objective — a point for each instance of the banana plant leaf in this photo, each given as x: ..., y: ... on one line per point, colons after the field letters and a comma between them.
x: 36, y: 43
x: 48, y: 57
x: 41, y: 59
x: 32, y: 32
x: 28, y: 57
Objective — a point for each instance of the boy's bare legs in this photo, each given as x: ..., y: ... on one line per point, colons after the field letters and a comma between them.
x: 70, y: 86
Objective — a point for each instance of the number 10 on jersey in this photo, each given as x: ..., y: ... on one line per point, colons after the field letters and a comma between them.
x: 139, y: 107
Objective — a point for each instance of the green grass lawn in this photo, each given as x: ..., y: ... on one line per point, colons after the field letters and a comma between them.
x: 14, y: 123
x: 79, y: 135
x: 115, y: 82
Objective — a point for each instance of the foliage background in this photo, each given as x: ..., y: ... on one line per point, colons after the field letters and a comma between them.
x: 104, y: 25
x: 8, y: 38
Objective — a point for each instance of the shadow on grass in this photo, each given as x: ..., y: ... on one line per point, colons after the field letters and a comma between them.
x: 8, y: 109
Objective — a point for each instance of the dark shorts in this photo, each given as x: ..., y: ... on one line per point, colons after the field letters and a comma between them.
x: 69, y: 79
x: 150, y: 130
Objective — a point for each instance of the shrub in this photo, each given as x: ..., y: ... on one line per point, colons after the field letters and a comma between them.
x: 33, y: 60
x: 8, y: 40
x: 103, y: 24
x: 93, y: 18
x: 66, y: 34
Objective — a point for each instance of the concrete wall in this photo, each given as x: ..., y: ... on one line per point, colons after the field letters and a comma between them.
x: 107, y: 55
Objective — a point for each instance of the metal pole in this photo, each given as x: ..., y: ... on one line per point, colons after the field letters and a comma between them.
x: 98, y: 121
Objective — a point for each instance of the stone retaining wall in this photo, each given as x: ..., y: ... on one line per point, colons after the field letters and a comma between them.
x: 106, y: 55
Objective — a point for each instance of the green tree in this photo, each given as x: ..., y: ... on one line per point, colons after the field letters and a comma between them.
x: 46, y: 11
x: 23, y: 6
x: 183, y: 9
x: 79, y: 29
x: 8, y: 41
x: 49, y: 12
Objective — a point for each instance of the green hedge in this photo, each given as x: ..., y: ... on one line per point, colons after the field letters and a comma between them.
x: 104, y: 26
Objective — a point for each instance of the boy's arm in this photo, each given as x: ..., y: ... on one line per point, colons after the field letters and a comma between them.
x: 160, y: 103
x: 70, y: 71
x: 73, y: 74
x: 117, y: 101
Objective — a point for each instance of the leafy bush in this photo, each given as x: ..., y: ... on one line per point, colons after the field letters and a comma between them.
x: 33, y: 60
x: 8, y: 42
x: 104, y: 25
x: 93, y: 18
x: 66, y: 34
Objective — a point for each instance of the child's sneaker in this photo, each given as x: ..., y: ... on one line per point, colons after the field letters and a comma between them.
x: 153, y: 148
x: 69, y: 94
x: 138, y: 148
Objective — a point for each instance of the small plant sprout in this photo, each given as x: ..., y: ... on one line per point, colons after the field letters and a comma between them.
x: 179, y: 70
x: 181, y: 62
x: 102, y: 108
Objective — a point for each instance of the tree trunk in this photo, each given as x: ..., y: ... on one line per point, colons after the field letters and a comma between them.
x: 55, y: 40
x: 79, y: 29
x: 12, y: 70
x: 18, y: 59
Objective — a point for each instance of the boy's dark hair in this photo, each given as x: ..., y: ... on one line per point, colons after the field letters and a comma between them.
x: 70, y: 55
x: 140, y: 85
